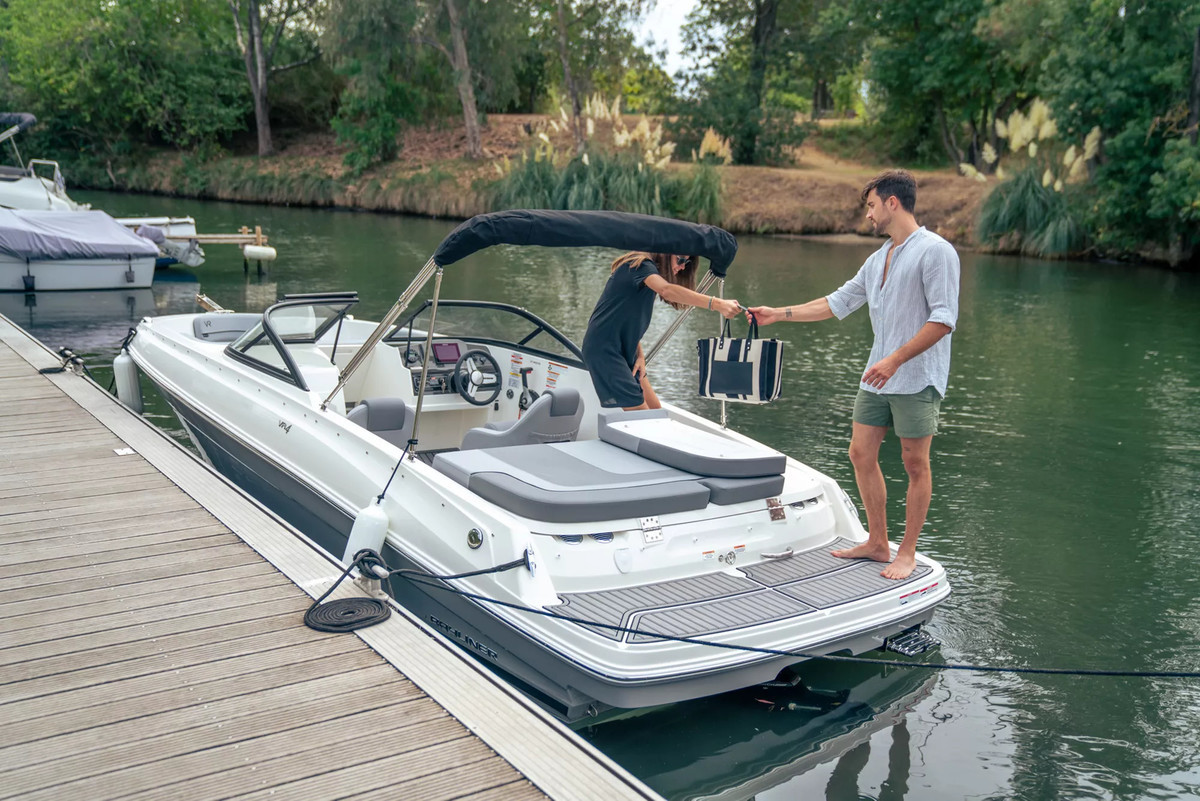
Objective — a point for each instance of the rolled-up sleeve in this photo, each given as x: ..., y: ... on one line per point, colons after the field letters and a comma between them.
x: 850, y: 296
x: 940, y: 276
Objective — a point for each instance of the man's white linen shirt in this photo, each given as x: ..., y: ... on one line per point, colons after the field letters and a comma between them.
x: 921, y: 287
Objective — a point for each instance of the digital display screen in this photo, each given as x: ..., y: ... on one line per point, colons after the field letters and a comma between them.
x: 445, y: 352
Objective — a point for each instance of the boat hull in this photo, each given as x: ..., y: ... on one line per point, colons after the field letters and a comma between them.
x: 18, y: 275
x: 566, y: 687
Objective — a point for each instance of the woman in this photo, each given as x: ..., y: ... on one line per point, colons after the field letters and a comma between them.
x: 612, y: 348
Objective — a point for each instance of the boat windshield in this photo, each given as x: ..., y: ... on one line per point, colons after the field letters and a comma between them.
x: 489, y: 324
x: 288, y: 323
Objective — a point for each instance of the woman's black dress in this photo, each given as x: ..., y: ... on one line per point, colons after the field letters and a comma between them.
x: 617, y: 325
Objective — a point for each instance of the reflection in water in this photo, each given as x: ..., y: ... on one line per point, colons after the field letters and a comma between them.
x: 752, y: 744
x: 1065, y: 507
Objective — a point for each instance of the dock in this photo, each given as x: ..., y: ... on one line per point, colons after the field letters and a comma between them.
x: 152, y: 642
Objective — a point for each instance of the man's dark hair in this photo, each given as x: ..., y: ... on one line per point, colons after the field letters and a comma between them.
x: 899, y: 184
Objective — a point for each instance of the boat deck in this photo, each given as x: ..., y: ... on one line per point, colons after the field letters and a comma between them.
x: 151, y: 640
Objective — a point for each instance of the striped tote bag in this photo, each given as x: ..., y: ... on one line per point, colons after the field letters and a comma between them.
x: 744, y: 370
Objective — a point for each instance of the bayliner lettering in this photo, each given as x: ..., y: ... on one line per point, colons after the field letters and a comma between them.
x: 911, y: 596
x: 465, y: 639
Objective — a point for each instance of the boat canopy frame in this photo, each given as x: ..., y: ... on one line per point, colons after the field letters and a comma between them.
x: 552, y: 228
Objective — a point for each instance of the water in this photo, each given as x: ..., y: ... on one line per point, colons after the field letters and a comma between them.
x: 1065, y: 503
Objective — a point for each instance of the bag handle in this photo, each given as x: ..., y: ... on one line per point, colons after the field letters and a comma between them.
x: 727, y: 334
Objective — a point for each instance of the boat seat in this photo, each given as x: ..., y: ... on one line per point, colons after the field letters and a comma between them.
x: 388, y: 418
x: 652, y: 433
x: 553, y: 417
x: 222, y: 326
x: 574, y: 482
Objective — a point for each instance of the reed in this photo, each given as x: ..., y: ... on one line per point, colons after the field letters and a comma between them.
x: 1025, y: 215
x: 609, y: 181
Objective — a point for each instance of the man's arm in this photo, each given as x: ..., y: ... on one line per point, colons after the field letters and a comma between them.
x: 809, y: 312
x: 879, y: 373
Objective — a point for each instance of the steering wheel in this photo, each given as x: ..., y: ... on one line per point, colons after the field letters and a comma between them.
x: 474, y: 372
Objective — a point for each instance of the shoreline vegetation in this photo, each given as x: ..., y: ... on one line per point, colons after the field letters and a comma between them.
x: 1054, y: 128
x: 430, y: 178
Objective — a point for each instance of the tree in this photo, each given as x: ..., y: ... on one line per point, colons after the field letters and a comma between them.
x: 104, y: 74
x: 372, y: 44
x: 260, y: 26
x: 474, y: 32
x: 742, y: 73
x: 1127, y: 67
x: 941, y: 76
x: 592, y: 43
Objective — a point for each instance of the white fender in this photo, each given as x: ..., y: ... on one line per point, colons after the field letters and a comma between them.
x: 369, y: 529
x: 129, y: 389
x: 258, y: 253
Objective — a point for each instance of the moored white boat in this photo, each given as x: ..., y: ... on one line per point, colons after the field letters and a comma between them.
x: 648, y: 557
x: 70, y: 250
x: 39, y: 185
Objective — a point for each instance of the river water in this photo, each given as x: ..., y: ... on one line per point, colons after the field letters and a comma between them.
x: 1066, y: 506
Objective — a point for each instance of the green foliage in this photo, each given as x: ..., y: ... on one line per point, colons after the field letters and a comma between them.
x: 370, y: 43
x: 762, y: 134
x: 1023, y: 216
x: 744, y: 84
x: 864, y: 142
x: 1175, y: 192
x: 103, y: 74
x: 613, y: 181
x: 700, y: 196
x: 647, y: 90
x: 1125, y: 68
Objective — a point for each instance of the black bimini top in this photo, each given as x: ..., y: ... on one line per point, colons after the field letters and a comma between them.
x: 612, y: 229
x: 19, y: 119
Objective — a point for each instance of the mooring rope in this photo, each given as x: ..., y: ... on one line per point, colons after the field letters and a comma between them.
x: 348, y: 614
x: 376, y: 567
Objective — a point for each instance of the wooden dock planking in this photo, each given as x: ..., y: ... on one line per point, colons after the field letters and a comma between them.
x: 145, y: 650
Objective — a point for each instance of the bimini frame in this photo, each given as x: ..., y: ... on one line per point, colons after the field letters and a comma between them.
x: 546, y: 228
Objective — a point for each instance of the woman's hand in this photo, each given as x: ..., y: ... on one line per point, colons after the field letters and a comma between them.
x: 639, y: 367
x: 727, y: 307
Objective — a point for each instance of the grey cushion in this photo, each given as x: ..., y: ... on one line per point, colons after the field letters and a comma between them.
x: 388, y: 418
x: 222, y: 327
x: 574, y: 482
x: 726, y: 491
x: 651, y: 433
x: 553, y: 417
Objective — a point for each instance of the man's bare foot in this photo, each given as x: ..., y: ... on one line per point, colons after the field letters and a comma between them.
x: 867, y: 550
x: 901, y: 568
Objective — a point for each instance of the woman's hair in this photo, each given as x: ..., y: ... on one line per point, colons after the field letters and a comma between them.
x: 662, y: 262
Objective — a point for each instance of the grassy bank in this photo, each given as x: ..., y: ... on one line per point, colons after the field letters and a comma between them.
x: 818, y: 196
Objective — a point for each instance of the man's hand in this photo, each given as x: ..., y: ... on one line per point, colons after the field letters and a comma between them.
x: 881, y: 372
x: 765, y: 315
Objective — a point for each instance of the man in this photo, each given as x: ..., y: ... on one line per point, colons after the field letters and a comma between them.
x: 910, y: 286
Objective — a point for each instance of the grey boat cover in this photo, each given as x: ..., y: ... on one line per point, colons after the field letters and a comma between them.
x: 59, y: 235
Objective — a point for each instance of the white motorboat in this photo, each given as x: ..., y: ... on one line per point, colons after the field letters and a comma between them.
x: 637, y: 558
x: 39, y: 185
x: 56, y: 250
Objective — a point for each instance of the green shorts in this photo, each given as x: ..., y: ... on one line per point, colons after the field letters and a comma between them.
x: 911, y: 416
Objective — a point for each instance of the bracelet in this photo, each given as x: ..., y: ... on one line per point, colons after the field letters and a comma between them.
x: 710, y: 300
